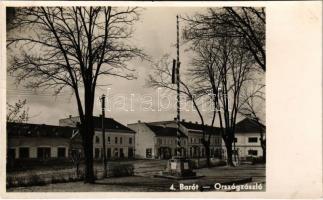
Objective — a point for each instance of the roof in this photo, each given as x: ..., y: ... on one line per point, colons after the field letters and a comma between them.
x: 248, y: 125
x: 193, y: 127
x: 199, y: 127
x: 109, y: 124
x: 38, y: 130
x: 165, y: 131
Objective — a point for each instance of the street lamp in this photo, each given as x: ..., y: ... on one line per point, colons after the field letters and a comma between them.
x: 103, y: 136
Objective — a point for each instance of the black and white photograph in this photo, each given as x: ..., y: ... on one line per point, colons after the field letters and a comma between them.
x: 136, y: 99
x: 120, y: 99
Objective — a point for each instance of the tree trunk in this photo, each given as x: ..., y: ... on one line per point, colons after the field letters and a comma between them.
x: 264, y: 156
x: 228, y: 145
x: 263, y: 146
x: 262, y: 143
x: 207, y: 153
x: 88, y: 133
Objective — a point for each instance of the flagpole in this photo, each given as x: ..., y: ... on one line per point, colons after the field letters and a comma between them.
x: 178, y: 118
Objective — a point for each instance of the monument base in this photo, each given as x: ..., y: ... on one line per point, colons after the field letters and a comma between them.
x: 178, y: 168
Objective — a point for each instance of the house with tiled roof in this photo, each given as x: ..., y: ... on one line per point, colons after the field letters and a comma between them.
x: 158, y: 139
x: 119, y: 139
x: 247, y: 142
x: 39, y: 141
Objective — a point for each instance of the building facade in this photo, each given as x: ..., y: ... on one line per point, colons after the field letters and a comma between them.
x: 157, y: 140
x: 247, y: 141
x: 119, y: 139
x: 39, y: 141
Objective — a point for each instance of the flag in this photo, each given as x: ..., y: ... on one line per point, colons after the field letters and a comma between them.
x: 174, y: 72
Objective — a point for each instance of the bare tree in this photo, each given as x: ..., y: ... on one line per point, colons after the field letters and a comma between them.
x: 244, y: 22
x: 161, y: 78
x: 234, y: 60
x: 251, y: 108
x: 72, y: 47
x: 18, y: 112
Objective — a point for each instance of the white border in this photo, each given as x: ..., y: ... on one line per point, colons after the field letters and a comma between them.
x: 293, y: 103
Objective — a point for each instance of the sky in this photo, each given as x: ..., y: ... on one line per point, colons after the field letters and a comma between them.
x: 155, y: 33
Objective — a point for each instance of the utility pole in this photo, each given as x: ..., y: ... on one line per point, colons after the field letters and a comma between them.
x: 103, y: 136
x: 178, y: 118
x: 178, y: 166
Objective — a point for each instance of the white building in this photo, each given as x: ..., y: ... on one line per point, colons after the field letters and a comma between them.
x: 120, y: 140
x: 158, y: 139
x: 247, y: 138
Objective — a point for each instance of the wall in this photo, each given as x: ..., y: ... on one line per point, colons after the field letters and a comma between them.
x: 33, y: 142
x: 145, y: 139
x: 112, y: 145
x: 170, y: 142
x: 243, y: 146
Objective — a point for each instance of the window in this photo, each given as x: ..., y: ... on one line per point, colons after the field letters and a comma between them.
x: 116, y: 152
x: 116, y: 140
x: 159, y: 141
x: 43, y: 152
x: 148, y: 153
x: 97, y: 153
x: 61, y: 152
x: 97, y: 139
x: 108, y: 139
x: 252, y: 152
x: 120, y: 140
x: 130, y: 140
x: 252, y: 139
x: 191, y: 140
x: 23, y: 152
x: 235, y: 140
x: 11, y: 154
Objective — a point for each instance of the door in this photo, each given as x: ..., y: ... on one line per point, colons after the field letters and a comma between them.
x: 121, y: 153
x: 108, y: 152
x: 130, y: 153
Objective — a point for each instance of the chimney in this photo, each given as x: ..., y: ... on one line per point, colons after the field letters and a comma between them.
x: 175, y: 118
x: 183, y: 120
x: 70, y: 116
x: 139, y: 121
x: 196, y: 122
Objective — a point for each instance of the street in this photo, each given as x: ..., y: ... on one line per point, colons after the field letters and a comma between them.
x: 144, y: 180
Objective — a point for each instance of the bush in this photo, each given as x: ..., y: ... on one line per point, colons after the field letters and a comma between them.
x: 219, y: 163
x: 32, y: 180
x: 201, y: 163
x: 35, y: 180
x: 35, y: 163
x: 257, y: 160
x: 121, y: 170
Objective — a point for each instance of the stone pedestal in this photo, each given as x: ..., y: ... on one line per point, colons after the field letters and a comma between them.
x: 179, y: 167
